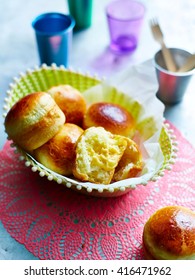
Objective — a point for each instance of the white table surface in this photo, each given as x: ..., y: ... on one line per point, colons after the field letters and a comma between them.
x: 90, y: 54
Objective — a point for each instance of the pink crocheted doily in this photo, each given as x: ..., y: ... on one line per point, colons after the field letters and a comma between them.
x: 54, y: 222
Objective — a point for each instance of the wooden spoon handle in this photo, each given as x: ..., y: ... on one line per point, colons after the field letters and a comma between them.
x: 188, y: 65
x: 169, y: 61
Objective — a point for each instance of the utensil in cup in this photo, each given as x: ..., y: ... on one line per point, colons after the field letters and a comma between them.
x: 53, y: 33
x: 125, y: 18
x: 188, y: 65
x: 158, y: 36
x: 81, y: 10
x: 172, y: 85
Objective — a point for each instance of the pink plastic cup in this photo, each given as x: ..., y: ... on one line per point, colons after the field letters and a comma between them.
x: 125, y: 18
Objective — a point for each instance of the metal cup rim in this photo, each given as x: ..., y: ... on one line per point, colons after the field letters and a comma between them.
x: 160, y: 68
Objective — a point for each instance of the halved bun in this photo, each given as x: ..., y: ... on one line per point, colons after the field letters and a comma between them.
x: 130, y: 164
x: 97, y: 154
x: 33, y: 120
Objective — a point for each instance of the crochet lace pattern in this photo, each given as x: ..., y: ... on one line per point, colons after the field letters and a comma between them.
x: 56, y: 223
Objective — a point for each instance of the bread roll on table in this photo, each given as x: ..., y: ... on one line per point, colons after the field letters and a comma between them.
x: 112, y: 117
x: 33, y: 120
x: 169, y: 234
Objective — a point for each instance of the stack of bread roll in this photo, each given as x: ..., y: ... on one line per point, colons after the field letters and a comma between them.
x: 92, y: 143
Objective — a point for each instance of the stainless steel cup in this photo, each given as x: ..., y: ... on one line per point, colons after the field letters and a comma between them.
x: 172, y: 85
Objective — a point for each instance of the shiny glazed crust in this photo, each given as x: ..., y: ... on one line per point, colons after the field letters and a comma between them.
x: 111, y: 116
x: 70, y: 101
x: 170, y: 234
x: 58, y: 154
x: 33, y: 120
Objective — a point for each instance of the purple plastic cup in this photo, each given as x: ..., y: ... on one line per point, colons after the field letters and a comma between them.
x: 125, y: 18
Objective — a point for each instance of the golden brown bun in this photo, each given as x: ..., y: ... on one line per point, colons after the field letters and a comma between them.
x: 97, y: 154
x: 70, y: 101
x: 170, y: 234
x: 33, y: 120
x: 58, y: 154
x: 111, y: 116
x: 130, y: 164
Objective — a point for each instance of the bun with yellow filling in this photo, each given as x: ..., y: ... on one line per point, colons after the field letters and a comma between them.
x: 97, y: 154
x: 130, y: 164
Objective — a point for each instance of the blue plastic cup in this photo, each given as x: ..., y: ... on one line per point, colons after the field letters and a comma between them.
x: 54, y: 37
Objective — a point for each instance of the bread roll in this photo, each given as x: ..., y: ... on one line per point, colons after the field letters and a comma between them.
x: 58, y: 154
x: 111, y: 116
x: 33, y: 120
x: 169, y: 234
x: 130, y: 164
x: 70, y: 101
x: 97, y: 154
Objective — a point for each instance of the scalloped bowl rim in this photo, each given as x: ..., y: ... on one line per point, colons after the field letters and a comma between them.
x: 86, y: 187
